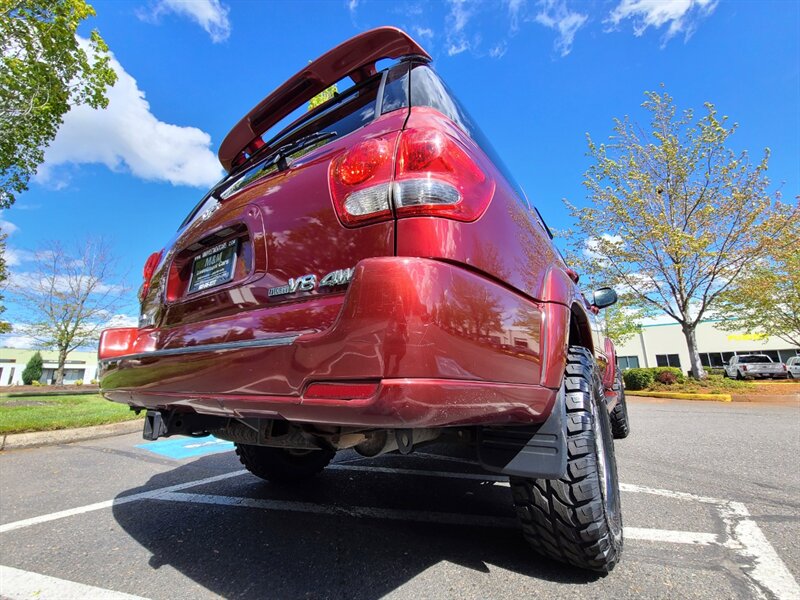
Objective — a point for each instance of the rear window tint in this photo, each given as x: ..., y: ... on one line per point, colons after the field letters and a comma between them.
x: 749, y: 360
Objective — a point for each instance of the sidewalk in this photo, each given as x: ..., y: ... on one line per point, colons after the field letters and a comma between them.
x: 14, y: 441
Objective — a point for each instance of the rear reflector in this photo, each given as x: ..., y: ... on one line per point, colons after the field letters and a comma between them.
x: 341, y: 391
x: 116, y: 342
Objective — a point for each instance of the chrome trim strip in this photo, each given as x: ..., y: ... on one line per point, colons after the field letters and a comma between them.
x: 222, y: 346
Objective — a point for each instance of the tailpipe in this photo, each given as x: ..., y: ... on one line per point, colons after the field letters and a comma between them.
x: 389, y: 440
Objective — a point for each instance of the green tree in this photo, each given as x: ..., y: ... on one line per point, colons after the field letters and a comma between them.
x: 33, y: 370
x: 44, y: 70
x: 766, y: 297
x: 675, y: 214
x: 4, y: 326
x: 68, y: 297
x: 622, y: 321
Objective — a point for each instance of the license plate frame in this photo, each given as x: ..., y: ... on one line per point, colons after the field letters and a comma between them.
x: 214, y: 267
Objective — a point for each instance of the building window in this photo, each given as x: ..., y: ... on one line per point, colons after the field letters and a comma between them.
x: 668, y: 360
x: 787, y: 354
x: 628, y: 362
x: 520, y: 343
x: 73, y: 375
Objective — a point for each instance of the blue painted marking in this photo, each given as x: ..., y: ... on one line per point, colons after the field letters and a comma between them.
x: 187, y: 447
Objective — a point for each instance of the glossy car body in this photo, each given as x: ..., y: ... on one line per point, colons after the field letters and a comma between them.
x: 452, y: 315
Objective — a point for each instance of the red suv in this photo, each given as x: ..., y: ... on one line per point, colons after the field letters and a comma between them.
x: 370, y: 276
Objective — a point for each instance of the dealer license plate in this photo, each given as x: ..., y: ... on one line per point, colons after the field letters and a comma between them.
x: 214, y: 266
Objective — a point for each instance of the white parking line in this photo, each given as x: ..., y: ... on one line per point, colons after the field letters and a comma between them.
x: 766, y: 572
x: 16, y: 584
x: 115, y: 502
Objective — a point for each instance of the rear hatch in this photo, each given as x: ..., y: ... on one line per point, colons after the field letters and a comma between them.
x: 270, y: 250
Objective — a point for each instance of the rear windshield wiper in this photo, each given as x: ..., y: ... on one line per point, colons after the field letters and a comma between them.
x: 277, y: 157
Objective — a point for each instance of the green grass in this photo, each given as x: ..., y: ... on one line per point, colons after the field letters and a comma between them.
x: 44, y: 413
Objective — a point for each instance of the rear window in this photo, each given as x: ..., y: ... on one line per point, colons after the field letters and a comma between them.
x: 757, y: 358
x: 343, y: 114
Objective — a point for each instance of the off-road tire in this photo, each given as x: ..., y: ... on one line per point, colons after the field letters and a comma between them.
x: 620, y: 425
x: 282, y: 465
x: 577, y: 519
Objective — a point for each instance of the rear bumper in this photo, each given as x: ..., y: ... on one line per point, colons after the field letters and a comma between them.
x: 442, y: 346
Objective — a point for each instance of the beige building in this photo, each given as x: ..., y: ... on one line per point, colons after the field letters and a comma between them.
x: 660, y: 343
x: 80, y: 366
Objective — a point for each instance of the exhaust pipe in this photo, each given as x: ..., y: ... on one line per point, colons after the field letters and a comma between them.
x: 389, y: 440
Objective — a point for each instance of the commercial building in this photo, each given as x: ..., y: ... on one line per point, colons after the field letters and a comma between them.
x: 660, y: 343
x: 80, y: 366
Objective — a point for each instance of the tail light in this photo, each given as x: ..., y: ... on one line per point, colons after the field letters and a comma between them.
x: 437, y: 177
x: 744, y: 367
x: 426, y: 172
x: 147, y: 273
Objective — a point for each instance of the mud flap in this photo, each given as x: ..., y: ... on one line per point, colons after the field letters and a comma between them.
x: 154, y: 426
x: 536, y: 452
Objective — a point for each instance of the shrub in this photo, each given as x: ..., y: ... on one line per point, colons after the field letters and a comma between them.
x: 666, y: 378
x: 638, y: 379
x: 33, y: 370
x: 93, y: 382
x: 675, y: 371
x: 79, y: 382
x: 35, y: 383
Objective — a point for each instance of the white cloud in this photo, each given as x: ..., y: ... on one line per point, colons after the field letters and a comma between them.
x: 554, y: 14
x: 15, y: 257
x: 18, y: 342
x: 458, y: 48
x: 679, y: 15
x: 514, y: 10
x: 126, y: 135
x: 7, y: 227
x: 25, y: 280
x: 455, y: 23
x: 122, y: 321
x: 423, y: 32
x: 498, y: 50
x: 352, y: 5
x: 211, y: 15
x: 592, y: 244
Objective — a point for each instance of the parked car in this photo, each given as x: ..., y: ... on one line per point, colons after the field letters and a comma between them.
x: 753, y: 366
x: 793, y: 367
x: 370, y: 276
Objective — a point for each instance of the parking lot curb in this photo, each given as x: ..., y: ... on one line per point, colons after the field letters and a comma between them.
x: 15, y: 441
x: 683, y: 396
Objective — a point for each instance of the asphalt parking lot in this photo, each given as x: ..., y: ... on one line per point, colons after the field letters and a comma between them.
x: 711, y: 504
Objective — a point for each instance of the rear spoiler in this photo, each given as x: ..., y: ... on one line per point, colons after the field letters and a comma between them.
x: 355, y: 58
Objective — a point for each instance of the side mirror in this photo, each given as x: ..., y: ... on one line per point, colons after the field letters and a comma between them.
x: 604, y: 297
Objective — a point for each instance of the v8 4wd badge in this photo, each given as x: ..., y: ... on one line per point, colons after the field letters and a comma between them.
x: 308, y: 283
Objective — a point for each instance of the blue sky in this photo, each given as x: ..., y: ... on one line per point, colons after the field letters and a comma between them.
x: 537, y: 76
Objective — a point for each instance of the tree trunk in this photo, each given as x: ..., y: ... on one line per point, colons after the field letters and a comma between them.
x: 697, y: 370
x: 62, y: 358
